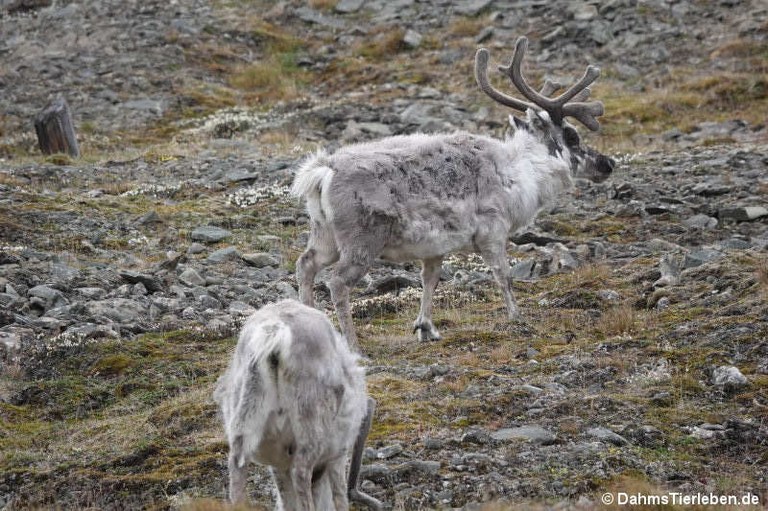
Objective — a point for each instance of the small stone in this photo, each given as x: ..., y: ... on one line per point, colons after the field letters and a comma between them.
x: 91, y: 293
x: 189, y: 277
x: 196, y: 248
x: 49, y: 296
x: 700, y: 221
x: 606, y: 435
x: 476, y: 436
x: 699, y: 257
x: 149, y: 218
x: 120, y: 310
x: 239, y: 309
x: 224, y: 254
x: 662, y: 398
x: 348, y: 6
x: 261, y: 259
x: 389, y: 452
x: 742, y: 214
x: 729, y: 378
x: 412, y: 39
x: 209, y: 234
x: 534, y: 434
x: 150, y: 282
x: 209, y: 302
x: 471, y: 7
x: 670, y: 273
x: 484, y: 35
x: 524, y: 270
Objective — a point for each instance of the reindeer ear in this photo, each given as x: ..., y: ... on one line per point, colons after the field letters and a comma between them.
x: 518, y: 123
x: 538, y: 119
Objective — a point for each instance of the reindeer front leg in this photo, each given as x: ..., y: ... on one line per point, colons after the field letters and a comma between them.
x: 430, y: 276
x: 355, y: 495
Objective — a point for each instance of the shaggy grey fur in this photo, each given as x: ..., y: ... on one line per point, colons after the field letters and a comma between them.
x: 293, y: 397
x: 425, y: 196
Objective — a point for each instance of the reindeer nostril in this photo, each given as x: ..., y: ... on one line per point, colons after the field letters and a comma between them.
x: 606, y: 164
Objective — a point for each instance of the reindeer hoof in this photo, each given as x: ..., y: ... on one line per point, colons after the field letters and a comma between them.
x: 427, y: 332
x: 365, y: 499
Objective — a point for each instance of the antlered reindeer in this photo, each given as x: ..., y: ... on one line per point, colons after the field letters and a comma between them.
x: 293, y: 398
x: 425, y: 196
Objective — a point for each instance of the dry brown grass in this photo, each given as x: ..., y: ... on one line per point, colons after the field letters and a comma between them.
x: 465, y: 27
x: 273, y: 79
x: 385, y: 43
x: 324, y: 5
x: 620, y: 320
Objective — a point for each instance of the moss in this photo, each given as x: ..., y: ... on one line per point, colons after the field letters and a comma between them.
x: 112, y: 365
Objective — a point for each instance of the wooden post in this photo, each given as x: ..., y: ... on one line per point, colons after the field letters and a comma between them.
x: 55, y: 130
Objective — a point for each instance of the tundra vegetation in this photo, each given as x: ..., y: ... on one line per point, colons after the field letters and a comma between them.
x: 642, y: 366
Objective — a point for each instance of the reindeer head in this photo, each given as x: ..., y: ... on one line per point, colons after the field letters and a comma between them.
x: 546, y: 115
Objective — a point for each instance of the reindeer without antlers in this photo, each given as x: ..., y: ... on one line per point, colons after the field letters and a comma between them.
x: 424, y: 196
x: 293, y: 397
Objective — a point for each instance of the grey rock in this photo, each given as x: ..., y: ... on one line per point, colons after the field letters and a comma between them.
x: 533, y: 433
x: 735, y: 244
x: 261, y: 259
x: 348, y: 6
x: 662, y: 398
x: 711, y: 189
x: 139, y: 290
x: 149, y: 218
x: 606, y: 435
x: 209, y: 302
x: 239, y: 309
x: 9, y: 342
x: 582, y: 11
x: 392, y: 283
x: 196, y: 248
x: 150, y: 282
x: 524, y: 270
x: 608, y: 295
x: 91, y: 331
x: 476, y: 436
x: 530, y: 389
x: 670, y: 273
x: 699, y: 257
x: 190, y: 277
x: 389, y: 452
x: 209, y: 234
x: 91, y: 293
x: 729, y: 378
x: 49, y: 297
x: 485, y: 34
x: 315, y: 17
x: 471, y: 7
x: 412, y: 39
x: 742, y: 214
x: 153, y: 106
x: 119, y: 310
x: 700, y: 221
x: 224, y: 254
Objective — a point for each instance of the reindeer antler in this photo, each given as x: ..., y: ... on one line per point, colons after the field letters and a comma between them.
x: 570, y: 103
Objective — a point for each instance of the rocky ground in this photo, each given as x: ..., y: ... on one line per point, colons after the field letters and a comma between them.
x: 642, y: 363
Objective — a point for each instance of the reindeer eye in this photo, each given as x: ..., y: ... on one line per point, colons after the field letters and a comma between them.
x: 571, y: 137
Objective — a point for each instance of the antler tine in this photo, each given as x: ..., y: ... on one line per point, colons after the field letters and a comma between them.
x: 513, y: 71
x: 550, y: 88
x: 590, y: 75
x: 481, y: 75
x: 585, y: 113
x: 571, y: 103
x: 582, y: 96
